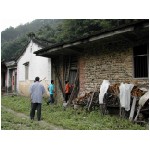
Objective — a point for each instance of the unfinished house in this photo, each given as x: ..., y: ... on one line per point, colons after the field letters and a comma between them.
x: 119, y: 55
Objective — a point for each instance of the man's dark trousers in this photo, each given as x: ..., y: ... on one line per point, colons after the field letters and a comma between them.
x: 35, y: 106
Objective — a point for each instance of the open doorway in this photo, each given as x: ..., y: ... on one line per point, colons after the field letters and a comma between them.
x: 71, y: 69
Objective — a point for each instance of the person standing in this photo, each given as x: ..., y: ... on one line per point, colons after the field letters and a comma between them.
x: 67, y: 91
x: 51, y: 92
x: 36, y: 92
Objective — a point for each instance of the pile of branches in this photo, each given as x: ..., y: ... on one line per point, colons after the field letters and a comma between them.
x: 111, y: 100
x: 85, y: 99
x: 137, y: 92
x: 111, y: 97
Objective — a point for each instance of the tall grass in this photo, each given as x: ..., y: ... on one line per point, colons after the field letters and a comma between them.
x: 70, y: 119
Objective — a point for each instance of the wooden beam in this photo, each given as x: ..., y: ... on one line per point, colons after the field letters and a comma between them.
x: 132, y: 109
x: 60, y: 83
x: 74, y: 88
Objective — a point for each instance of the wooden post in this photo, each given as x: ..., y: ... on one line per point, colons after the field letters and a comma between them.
x: 132, y: 109
x: 68, y: 71
x: 60, y: 84
x: 92, y: 97
x: 73, y: 91
x: 91, y: 101
x: 135, y: 119
x: 122, y: 112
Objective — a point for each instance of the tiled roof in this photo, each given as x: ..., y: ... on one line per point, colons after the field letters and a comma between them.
x: 41, y: 42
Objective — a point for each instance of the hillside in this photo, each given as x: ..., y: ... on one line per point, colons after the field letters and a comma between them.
x: 53, y: 30
x: 13, y: 33
x: 14, y: 39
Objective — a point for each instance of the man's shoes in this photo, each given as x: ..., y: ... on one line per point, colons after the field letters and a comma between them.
x: 32, y: 119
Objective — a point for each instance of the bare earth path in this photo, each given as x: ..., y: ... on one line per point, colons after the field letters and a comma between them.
x: 41, y: 123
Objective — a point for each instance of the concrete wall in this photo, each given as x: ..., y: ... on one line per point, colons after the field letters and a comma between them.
x: 38, y: 66
x: 24, y: 88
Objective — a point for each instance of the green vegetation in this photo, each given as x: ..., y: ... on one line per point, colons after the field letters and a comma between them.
x: 11, y: 122
x: 53, y: 30
x: 54, y: 114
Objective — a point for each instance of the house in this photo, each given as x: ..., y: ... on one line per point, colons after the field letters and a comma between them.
x: 118, y: 55
x: 11, y: 76
x: 22, y: 71
x: 3, y: 76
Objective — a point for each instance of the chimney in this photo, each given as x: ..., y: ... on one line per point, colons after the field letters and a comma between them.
x: 31, y: 35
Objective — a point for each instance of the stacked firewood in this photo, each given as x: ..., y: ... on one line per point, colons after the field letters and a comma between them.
x: 111, y: 100
x: 114, y: 89
x: 113, y: 94
x: 83, y: 99
x: 137, y: 92
x: 111, y: 97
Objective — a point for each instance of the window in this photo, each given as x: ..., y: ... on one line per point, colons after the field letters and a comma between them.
x: 26, y: 70
x: 140, y: 54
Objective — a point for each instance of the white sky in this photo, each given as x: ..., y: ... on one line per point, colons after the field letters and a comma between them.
x: 16, y: 12
x: 6, y: 23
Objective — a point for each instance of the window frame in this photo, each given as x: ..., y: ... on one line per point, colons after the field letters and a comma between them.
x: 26, y: 65
x: 147, y: 54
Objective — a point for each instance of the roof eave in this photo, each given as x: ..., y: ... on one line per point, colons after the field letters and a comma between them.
x: 103, y: 35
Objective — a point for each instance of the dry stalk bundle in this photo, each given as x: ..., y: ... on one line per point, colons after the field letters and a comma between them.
x: 137, y: 92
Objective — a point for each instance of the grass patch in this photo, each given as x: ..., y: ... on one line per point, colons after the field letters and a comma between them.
x: 69, y: 119
x: 9, y: 122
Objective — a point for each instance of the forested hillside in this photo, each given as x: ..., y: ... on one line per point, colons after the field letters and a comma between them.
x: 13, y: 33
x: 13, y: 40
x: 53, y: 30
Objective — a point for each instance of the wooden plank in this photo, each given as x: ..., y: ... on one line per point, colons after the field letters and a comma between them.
x: 91, y: 101
x: 60, y: 84
x: 135, y: 119
x: 95, y: 89
x: 122, y: 112
x: 132, y: 109
x: 74, y: 88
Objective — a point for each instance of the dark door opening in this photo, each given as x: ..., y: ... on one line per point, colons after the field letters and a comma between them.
x: 71, y: 72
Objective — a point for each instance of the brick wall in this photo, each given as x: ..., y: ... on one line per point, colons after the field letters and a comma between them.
x: 113, y: 64
x: 98, y: 64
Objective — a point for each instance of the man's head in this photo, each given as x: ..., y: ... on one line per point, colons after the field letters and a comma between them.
x: 52, y: 81
x: 37, y: 79
x: 66, y: 81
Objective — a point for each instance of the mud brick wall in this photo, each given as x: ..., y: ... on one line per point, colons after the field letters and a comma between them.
x: 115, y: 65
